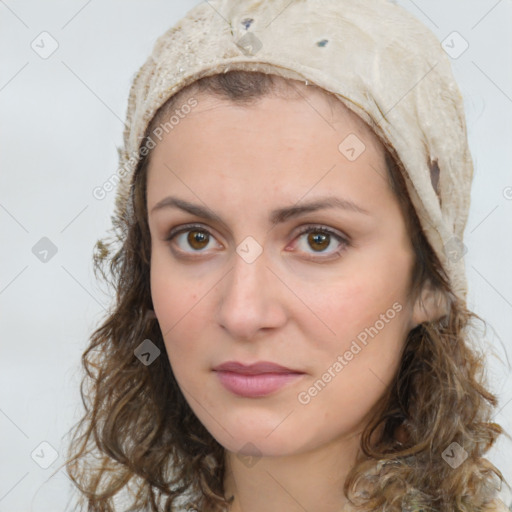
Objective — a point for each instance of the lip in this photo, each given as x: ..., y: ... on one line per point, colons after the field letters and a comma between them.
x: 255, y: 380
x: 254, y: 368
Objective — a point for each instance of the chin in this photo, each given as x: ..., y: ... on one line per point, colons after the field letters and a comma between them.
x: 252, y: 442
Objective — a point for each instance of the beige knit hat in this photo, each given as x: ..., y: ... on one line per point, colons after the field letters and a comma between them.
x: 378, y: 59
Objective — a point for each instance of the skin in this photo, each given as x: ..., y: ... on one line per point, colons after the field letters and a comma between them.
x: 298, y: 304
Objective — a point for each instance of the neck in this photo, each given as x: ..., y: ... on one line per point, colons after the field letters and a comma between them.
x: 304, y: 481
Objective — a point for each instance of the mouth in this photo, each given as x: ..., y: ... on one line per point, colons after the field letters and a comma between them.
x: 255, y: 380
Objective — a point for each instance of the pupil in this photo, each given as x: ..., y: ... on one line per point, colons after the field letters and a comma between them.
x: 317, y: 239
x: 197, y: 239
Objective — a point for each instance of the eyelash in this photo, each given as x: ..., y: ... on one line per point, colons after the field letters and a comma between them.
x: 317, y: 228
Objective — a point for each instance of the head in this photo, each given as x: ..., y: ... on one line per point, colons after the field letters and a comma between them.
x: 309, y: 295
x: 352, y: 296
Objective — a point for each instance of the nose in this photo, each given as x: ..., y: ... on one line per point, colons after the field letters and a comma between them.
x: 250, y: 299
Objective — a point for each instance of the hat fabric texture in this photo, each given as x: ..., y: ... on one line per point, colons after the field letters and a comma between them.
x: 373, y: 55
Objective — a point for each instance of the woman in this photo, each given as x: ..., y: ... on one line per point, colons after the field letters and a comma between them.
x: 290, y: 329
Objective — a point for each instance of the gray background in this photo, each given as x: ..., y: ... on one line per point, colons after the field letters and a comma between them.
x: 62, y: 118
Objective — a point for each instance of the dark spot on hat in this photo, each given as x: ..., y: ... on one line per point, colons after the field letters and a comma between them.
x: 434, y: 175
x: 322, y: 42
x: 247, y: 22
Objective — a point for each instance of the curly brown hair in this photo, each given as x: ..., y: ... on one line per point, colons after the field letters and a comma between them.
x: 138, y: 432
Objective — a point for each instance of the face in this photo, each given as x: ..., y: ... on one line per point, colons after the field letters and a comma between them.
x: 295, y: 252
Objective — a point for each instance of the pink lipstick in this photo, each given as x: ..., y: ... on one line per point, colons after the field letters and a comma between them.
x: 255, y: 380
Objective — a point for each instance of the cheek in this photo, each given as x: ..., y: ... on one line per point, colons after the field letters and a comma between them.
x: 168, y: 305
x: 179, y: 301
x: 174, y: 292
x: 163, y: 286
x: 353, y: 368
x: 356, y: 300
x: 368, y: 311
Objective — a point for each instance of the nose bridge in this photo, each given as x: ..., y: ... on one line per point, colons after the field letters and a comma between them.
x: 248, y: 302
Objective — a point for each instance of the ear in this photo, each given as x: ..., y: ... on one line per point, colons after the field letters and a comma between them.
x: 430, y: 305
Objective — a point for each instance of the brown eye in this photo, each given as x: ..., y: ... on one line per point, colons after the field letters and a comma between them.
x: 322, y: 241
x: 198, y: 239
x: 318, y: 241
x: 192, y: 239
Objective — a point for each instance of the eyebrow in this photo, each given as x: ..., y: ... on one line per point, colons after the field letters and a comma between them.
x: 276, y: 216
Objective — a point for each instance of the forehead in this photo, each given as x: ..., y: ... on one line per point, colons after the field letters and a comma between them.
x: 325, y: 103
x: 290, y: 140
x: 283, y: 102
